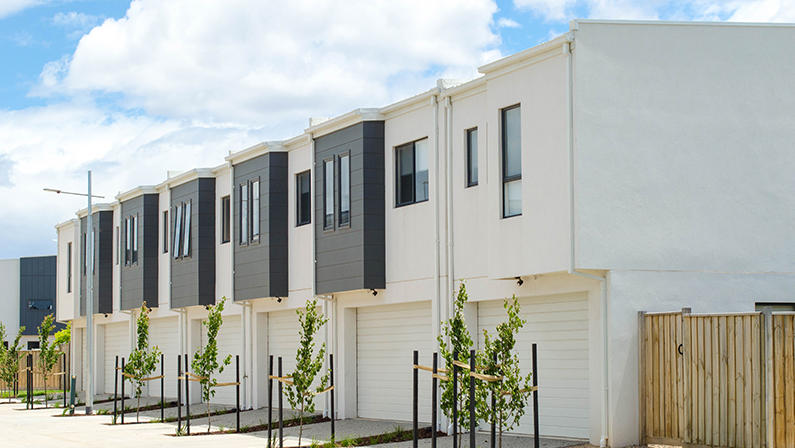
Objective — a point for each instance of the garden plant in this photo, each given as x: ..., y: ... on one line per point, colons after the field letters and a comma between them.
x: 143, y: 360
x: 205, y: 360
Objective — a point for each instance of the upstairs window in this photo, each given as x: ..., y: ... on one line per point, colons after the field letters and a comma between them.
x: 328, y: 194
x: 244, y: 213
x: 84, y: 253
x: 303, y: 198
x: 177, y: 230
x: 255, y: 211
x: 131, y: 241
x: 249, y: 212
x: 345, y: 191
x: 411, y: 181
x: 512, y: 161
x: 226, y: 231
x: 182, y: 222
x: 165, y: 232
x: 472, y: 157
x: 186, y: 231
x: 69, y: 267
x: 118, y: 244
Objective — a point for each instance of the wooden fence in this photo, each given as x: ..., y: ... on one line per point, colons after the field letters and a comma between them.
x: 722, y: 380
x: 53, y: 381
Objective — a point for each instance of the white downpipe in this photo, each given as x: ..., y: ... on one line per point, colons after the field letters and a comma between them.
x: 572, y: 269
x: 437, y: 242
x: 448, y: 104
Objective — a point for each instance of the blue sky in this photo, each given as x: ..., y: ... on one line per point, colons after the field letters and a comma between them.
x: 133, y: 89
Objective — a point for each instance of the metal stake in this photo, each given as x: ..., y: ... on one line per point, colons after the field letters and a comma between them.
x: 281, y: 421
x: 434, y: 398
x: 536, y: 440
x: 179, y: 393
x: 187, y: 397
x: 332, y: 414
x: 237, y: 391
x: 122, y: 391
x: 270, y: 401
x: 415, y: 405
x: 455, y: 401
x: 162, y: 389
x: 472, y: 417
x: 116, y: 391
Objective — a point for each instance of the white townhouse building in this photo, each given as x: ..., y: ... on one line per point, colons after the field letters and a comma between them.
x: 620, y: 167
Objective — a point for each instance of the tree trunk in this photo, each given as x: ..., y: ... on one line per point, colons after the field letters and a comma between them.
x: 208, y: 416
x: 301, y: 423
x: 45, y: 390
x: 138, y: 411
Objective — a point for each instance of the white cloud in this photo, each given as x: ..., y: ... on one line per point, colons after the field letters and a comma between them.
x: 10, y: 7
x: 77, y: 23
x: 261, y: 62
x: 505, y: 22
x: 23, y: 39
x: 555, y: 10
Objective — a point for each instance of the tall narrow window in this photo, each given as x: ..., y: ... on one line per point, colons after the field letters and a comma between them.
x: 84, y: 254
x: 472, y: 157
x: 225, y: 220
x: 303, y: 205
x: 186, y: 231
x: 127, y: 242
x: 328, y: 194
x: 254, y: 211
x: 68, y: 267
x: 118, y: 244
x: 512, y: 161
x: 345, y: 190
x: 94, y: 250
x: 177, y: 229
x: 411, y: 182
x: 244, y: 213
x: 135, y: 239
x: 165, y: 232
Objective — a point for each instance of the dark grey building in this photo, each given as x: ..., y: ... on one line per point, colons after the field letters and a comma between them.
x: 139, y: 251
x: 102, y: 222
x: 37, y: 282
x: 349, y: 209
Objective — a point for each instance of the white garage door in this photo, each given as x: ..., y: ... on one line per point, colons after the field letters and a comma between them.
x: 117, y: 343
x: 559, y: 325
x: 386, y: 337
x: 164, y: 333
x: 283, y: 340
x: 229, y: 343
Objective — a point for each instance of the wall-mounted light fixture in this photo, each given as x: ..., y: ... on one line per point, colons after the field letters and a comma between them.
x: 279, y: 300
x: 519, y: 281
x: 375, y: 293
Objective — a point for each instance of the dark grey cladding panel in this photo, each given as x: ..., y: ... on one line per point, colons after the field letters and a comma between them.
x: 352, y: 258
x: 139, y: 281
x: 193, y: 277
x: 36, y: 290
x: 261, y: 268
x: 103, y: 273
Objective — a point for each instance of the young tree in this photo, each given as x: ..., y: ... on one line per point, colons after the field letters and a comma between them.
x: 205, y: 361
x: 9, y: 359
x: 307, y: 365
x: 50, y: 352
x: 460, y: 342
x: 511, y: 392
x: 143, y: 360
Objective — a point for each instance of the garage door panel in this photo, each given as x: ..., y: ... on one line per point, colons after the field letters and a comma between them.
x: 229, y: 343
x: 117, y: 343
x: 559, y: 325
x: 284, y: 341
x: 386, y: 339
x: 164, y: 333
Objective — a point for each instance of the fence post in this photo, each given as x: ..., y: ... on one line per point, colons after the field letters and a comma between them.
x: 415, y: 403
x: 162, y: 388
x: 770, y: 411
x: 455, y: 401
x: 332, y: 414
x: 122, y: 391
x: 237, y: 393
x: 64, y: 379
x: 493, y: 413
x: 536, y: 429
x: 270, y: 401
x: 472, y: 417
x: 686, y: 364
x: 187, y: 397
x: 72, y: 385
x: 434, y: 399
x: 281, y: 418
x: 179, y: 393
x: 116, y: 391
x: 642, y: 377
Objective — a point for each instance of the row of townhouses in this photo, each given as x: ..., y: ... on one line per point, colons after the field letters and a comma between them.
x: 620, y: 167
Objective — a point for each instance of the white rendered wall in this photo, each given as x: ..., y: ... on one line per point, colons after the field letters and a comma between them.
x: 9, y: 297
x: 65, y: 301
x: 164, y: 260
x: 223, y: 251
x: 684, y: 147
x: 299, y: 239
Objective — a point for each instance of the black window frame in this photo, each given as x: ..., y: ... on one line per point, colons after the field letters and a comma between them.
x: 299, y: 199
x: 471, y: 180
x: 341, y: 223
x: 166, y: 226
x: 506, y: 178
x: 84, y: 252
x: 255, y: 211
x: 31, y: 303
x: 69, y: 267
x: 131, y: 241
x: 413, y: 184
x: 328, y: 226
x: 181, y: 235
x: 226, y: 220
x: 243, y: 210
x: 186, y: 225
x: 176, y: 235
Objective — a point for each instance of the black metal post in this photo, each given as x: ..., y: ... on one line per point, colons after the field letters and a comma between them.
x: 30, y: 381
x: 281, y: 420
x: 270, y: 401
x: 179, y: 393
x: 237, y: 391
x: 332, y: 414
x: 64, y: 379
x: 472, y: 417
x: 493, y: 414
x: 455, y: 401
x: 162, y: 388
x: 415, y: 404
x: 122, y: 391
x: 116, y: 391
x: 187, y: 397
x: 434, y: 398
x: 536, y: 440
x: 72, y: 398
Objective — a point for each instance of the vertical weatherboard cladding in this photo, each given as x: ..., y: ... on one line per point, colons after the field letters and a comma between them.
x: 261, y: 267
x: 352, y: 258
x: 37, y: 285
x: 103, y: 272
x: 139, y: 280
x: 193, y: 277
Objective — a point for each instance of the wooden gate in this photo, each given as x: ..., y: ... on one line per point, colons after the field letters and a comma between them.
x: 722, y: 380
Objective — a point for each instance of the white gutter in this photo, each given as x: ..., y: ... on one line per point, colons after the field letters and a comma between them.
x: 437, y: 273
x: 567, y: 47
x: 448, y: 104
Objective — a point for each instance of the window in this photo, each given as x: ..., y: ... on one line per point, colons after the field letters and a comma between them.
x: 244, y: 213
x: 226, y: 231
x: 472, y: 157
x: 412, y: 172
x: 255, y: 211
x: 511, y: 161
x: 186, y: 231
x: 165, y: 232
x: 33, y: 345
x: 177, y: 230
x: 118, y: 244
x: 345, y: 190
x: 328, y: 194
x: 127, y: 242
x: 303, y: 206
x: 40, y: 304
x: 83, y: 254
x: 68, y: 267
x: 94, y: 250
x: 131, y: 241
x: 181, y: 236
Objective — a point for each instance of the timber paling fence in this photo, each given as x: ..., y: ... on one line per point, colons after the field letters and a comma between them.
x: 718, y: 380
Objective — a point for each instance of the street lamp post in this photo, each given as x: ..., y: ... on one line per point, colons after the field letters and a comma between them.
x: 89, y: 293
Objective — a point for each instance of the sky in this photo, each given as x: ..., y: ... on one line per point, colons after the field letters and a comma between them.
x: 133, y: 89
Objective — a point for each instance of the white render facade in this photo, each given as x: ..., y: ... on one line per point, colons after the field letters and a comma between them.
x: 655, y: 168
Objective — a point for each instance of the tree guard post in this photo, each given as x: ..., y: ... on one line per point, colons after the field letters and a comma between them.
x: 122, y: 391
x: 116, y: 391
x: 281, y: 420
x: 237, y: 392
x: 332, y: 414
x: 434, y: 399
x: 187, y: 397
x: 415, y: 404
x: 64, y: 379
x: 455, y: 400
x: 472, y: 418
x: 179, y: 393
x: 270, y: 401
x: 493, y: 407
x: 536, y: 441
x: 162, y: 389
